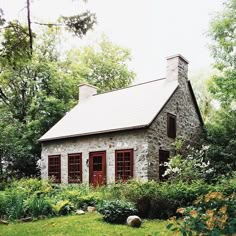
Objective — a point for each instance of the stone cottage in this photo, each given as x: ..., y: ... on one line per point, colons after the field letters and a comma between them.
x: 122, y: 134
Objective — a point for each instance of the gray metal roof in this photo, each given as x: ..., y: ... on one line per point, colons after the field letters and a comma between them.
x: 132, y: 107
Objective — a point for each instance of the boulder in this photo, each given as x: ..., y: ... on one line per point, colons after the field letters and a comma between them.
x: 134, y: 221
x: 91, y: 209
x: 79, y: 212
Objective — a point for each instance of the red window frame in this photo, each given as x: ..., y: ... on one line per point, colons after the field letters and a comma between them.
x: 75, y: 167
x: 54, y: 168
x: 171, y: 125
x: 124, y: 168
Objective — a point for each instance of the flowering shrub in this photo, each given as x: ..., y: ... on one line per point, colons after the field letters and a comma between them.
x: 187, y: 168
x: 212, y: 214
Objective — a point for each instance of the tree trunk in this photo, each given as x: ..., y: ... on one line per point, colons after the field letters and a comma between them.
x: 29, y: 27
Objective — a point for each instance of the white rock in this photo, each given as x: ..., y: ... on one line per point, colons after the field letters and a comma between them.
x: 79, y: 212
x: 134, y: 221
x: 91, y: 209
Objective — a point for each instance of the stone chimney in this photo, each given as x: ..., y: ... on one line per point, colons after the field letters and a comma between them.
x: 177, y: 68
x: 86, y: 91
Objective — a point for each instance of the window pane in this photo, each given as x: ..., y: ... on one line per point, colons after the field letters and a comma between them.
x: 124, y: 164
x: 171, y: 125
x: 74, y: 168
x: 97, y: 163
x: 54, y: 168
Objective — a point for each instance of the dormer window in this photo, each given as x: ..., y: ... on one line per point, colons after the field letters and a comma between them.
x: 171, y: 125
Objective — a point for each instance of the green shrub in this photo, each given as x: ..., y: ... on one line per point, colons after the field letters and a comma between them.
x: 62, y: 207
x: 161, y: 200
x: 37, y: 205
x: 116, y: 211
x: 81, y: 196
x: 15, y: 205
x: 33, y: 197
x: 3, y: 205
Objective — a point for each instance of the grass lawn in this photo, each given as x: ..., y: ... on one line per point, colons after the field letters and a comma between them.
x: 89, y: 224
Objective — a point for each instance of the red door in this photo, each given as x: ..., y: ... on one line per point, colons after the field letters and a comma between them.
x: 97, y: 168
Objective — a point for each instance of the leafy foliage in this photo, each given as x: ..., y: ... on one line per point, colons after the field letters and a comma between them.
x: 80, y: 24
x: 190, y: 163
x: 221, y: 130
x: 39, y: 205
x: 36, y: 198
x: 212, y: 214
x: 222, y: 146
x: 116, y: 211
x: 62, y: 207
x: 104, y: 65
x: 35, y: 92
x: 222, y: 31
x: 158, y: 200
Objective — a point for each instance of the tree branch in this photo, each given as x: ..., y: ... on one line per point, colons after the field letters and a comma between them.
x: 4, y: 97
x: 47, y: 24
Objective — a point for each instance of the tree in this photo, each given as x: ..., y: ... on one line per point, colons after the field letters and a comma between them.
x: 37, y: 90
x: 221, y: 133
x: 34, y: 94
x: 104, y: 65
x: 221, y: 139
x: 78, y: 24
x: 204, y: 98
x: 223, y: 34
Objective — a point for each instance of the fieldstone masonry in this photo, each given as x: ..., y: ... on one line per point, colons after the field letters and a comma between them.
x: 182, y: 106
x: 145, y: 142
x: 109, y: 142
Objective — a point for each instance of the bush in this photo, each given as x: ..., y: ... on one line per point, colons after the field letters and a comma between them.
x: 81, y: 196
x: 161, y: 200
x: 37, y: 205
x: 116, y: 211
x: 15, y: 205
x: 211, y: 214
x: 35, y: 198
x: 62, y: 207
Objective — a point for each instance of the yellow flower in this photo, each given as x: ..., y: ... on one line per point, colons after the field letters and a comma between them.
x: 224, y: 218
x: 193, y: 213
x: 223, y: 209
x: 222, y: 221
x: 198, y: 200
x: 173, y: 218
x: 181, y: 210
x: 210, y: 213
x: 210, y: 223
x: 213, y: 195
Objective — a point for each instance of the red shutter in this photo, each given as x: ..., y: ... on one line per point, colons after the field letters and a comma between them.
x: 75, y: 168
x: 54, y: 168
x: 124, y: 162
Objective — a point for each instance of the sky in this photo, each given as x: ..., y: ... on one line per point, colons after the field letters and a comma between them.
x: 151, y: 29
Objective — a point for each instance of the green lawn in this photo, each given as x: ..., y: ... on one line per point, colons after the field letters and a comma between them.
x: 89, y: 224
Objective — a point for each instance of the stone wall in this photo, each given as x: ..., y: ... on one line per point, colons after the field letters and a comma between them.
x: 109, y: 142
x: 187, y: 120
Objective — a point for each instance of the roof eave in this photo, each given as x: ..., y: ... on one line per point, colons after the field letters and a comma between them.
x: 94, y: 133
x: 195, y: 102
